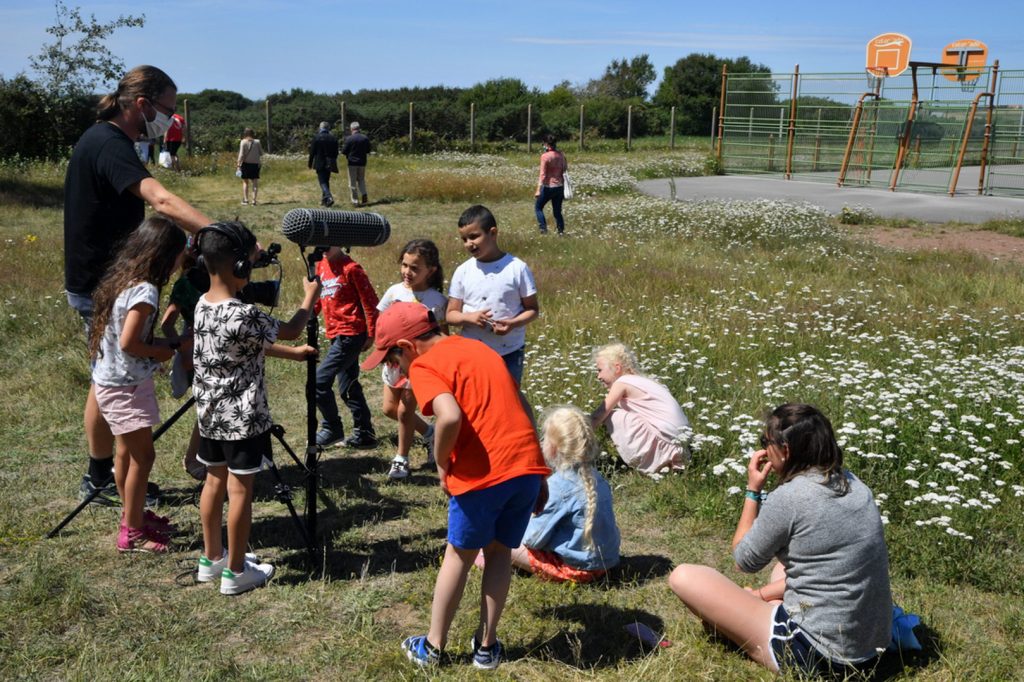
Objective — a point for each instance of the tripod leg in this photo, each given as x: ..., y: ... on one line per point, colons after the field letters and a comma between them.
x: 284, y: 495
x: 70, y: 517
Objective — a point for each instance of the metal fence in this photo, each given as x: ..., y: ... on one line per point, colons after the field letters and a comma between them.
x: 943, y: 135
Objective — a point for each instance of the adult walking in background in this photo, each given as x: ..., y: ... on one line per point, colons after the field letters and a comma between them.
x: 106, y: 191
x: 356, y: 149
x: 828, y: 607
x: 323, y: 158
x: 551, y: 185
x: 174, y: 137
x: 250, y: 155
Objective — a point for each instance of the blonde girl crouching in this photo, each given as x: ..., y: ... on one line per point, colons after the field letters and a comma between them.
x: 643, y: 419
x: 575, y: 536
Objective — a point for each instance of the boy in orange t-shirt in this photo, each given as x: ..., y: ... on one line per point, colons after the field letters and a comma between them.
x: 488, y: 461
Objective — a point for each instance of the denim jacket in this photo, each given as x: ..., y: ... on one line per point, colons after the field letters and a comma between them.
x: 558, y: 527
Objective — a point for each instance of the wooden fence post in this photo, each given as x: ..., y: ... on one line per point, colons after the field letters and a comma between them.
x: 529, y: 128
x: 341, y: 125
x: 581, y: 127
x: 472, y: 125
x: 411, y: 143
x: 268, y: 125
x: 629, y: 128
x: 672, y: 129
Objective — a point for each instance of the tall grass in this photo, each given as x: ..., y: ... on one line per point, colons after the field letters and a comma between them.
x: 917, y: 359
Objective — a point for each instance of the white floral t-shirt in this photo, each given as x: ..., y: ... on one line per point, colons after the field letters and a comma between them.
x: 113, y: 366
x: 231, y: 397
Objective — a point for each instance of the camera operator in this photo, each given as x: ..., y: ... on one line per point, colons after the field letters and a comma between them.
x: 106, y: 190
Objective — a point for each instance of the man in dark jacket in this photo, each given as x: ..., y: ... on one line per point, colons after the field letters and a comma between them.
x: 356, y: 149
x: 323, y: 158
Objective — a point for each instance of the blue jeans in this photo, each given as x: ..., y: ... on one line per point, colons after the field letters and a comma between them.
x: 324, y: 178
x: 82, y: 304
x: 514, y: 362
x: 555, y: 195
x: 342, y: 361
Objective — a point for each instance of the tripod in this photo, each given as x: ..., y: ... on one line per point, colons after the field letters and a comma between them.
x: 282, y: 493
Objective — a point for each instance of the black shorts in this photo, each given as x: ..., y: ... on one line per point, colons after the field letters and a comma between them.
x: 793, y: 651
x: 250, y: 171
x: 241, y: 457
x: 173, y: 147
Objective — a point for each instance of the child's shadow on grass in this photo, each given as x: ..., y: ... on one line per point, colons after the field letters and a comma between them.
x: 591, y: 636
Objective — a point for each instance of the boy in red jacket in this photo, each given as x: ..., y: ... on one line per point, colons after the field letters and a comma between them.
x: 349, y: 304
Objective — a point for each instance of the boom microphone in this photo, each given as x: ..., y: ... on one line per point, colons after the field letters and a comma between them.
x: 319, y: 227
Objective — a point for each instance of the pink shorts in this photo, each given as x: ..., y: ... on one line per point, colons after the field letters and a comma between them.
x: 550, y: 566
x: 128, y: 408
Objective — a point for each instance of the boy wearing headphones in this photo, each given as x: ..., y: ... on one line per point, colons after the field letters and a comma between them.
x: 231, y: 339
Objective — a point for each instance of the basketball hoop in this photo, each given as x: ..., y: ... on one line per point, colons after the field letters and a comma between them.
x: 875, y: 76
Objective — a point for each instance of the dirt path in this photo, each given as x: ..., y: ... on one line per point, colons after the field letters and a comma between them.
x: 989, y: 244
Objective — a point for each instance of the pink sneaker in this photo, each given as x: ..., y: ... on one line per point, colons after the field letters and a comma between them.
x: 140, y: 540
x: 155, y: 522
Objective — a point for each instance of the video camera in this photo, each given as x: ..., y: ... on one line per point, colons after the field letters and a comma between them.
x: 265, y: 292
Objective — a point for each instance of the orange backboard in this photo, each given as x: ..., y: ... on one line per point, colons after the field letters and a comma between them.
x: 968, y: 58
x: 888, y: 54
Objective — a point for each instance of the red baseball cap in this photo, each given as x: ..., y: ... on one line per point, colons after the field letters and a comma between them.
x: 403, y: 320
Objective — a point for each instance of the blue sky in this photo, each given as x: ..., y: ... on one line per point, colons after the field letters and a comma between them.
x: 257, y: 47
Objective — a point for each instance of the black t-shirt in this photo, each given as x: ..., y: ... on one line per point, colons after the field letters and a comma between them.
x: 99, y: 211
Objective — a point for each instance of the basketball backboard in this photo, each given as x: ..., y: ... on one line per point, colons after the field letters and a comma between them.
x: 888, y: 54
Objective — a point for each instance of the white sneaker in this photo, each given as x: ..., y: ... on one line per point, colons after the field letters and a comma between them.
x: 254, y: 575
x: 211, y: 570
x: 399, y: 469
x: 428, y: 443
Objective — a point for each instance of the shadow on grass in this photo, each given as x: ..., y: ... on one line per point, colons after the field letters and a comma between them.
x: 639, y: 569
x: 894, y: 665
x: 15, y: 192
x: 590, y: 636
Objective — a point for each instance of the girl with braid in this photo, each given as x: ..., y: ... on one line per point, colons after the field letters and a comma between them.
x: 574, y: 537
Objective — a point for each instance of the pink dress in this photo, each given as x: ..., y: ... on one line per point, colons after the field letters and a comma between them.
x: 646, y: 429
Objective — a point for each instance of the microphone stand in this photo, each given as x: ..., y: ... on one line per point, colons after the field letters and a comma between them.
x: 312, y: 449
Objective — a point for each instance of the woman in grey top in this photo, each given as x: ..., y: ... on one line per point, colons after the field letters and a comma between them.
x: 829, y: 607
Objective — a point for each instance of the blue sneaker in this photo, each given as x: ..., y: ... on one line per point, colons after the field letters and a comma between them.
x: 421, y: 652
x: 486, y: 658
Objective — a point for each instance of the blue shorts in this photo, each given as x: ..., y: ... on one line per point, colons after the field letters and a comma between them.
x: 500, y: 513
x: 792, y: 650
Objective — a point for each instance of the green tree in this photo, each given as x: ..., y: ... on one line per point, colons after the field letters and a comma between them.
x: 73, y: 66
x: 693, y: 86
x: 78, y: 61
x: 625, y: 79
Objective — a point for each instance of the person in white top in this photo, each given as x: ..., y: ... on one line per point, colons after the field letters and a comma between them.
x: 422, y: 281
x: 643, y: 419
x: 493, y: 295
x: 126, y: 357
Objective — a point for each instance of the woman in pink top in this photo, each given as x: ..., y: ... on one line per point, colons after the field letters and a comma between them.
x: 550, y: 185
x: 643, y: 419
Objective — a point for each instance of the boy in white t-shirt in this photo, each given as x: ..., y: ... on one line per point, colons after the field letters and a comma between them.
x: 493, y: 295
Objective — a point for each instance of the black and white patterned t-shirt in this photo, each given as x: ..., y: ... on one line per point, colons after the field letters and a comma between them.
x: 231, y: 397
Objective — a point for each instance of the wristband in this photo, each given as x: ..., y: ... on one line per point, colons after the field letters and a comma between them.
x: 174, y: 345
x: 753, y: 495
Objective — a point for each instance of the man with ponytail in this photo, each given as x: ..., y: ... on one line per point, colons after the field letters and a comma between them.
x: 106, y: 191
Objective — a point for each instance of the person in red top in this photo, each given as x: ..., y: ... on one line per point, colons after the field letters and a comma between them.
x: 349, y: 304
x: 174, y: 137
x: 550, y: 185
x: 488, y: 459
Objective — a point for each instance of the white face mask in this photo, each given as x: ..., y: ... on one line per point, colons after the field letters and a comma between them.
x: 159, y: 125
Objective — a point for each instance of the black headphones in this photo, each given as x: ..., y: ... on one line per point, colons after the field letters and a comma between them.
x: 242, y: 267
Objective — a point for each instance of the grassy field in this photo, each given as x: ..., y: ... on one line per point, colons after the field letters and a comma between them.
x: 917, y: 358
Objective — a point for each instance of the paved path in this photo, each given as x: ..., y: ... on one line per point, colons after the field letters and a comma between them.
x: 930, y: 208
